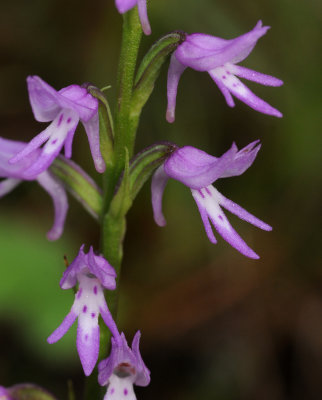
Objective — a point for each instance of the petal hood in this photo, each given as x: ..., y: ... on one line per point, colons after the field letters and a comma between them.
x: 204, y: 52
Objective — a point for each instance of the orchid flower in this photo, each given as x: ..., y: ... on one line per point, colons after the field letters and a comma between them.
x: 65, y: 109
x: 123, y: 368
x: 125, y: 5
x: 93, y: 273
x: 198, y: 170
x: 219, y: 57
x: 4, y: 394
x: 16, y: 173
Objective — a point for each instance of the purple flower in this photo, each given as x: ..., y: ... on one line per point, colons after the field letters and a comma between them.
x: 123, y: 368
x: 93, y: 274
x: 4, y: 394
x: 219, y: 58
x: 16, y: 173
x: 125, y: 5
x: 64, y: 108
x: 197, y: 170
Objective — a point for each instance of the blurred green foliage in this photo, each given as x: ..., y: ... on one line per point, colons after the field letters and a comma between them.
x: 214, y: 324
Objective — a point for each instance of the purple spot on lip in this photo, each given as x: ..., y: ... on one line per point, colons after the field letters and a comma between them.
x: 112, y: 390
x: 84, y: 309
x: 54, y: 141
x: 68, y: 121
x: 224, y: 76
x: 202, y: 195
x: 125, y: 392
x: 86, y: 337
x: 95, y: 290
x: 220, y: 217
x: 93, y: 315
x: 79, y: 293
x: 60, y: 119
x: 235, y: 85
x: 227, y: 72
x: 208, y: 191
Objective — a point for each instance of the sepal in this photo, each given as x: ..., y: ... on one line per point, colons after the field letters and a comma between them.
x: 150, y: 67
x: 79, y: 184
x: 106, y: 126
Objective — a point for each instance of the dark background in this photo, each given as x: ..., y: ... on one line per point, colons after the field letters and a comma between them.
x: 215, y: 325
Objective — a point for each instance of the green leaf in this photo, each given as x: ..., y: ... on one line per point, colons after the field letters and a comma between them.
x: 122, y: 201
x: 79, y: 184
x: 150, y: 68
x: 146, y: 162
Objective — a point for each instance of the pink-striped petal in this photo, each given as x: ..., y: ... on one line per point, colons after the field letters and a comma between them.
x: 239, y: 90
x: 204, y: 215
x: 207, y: 198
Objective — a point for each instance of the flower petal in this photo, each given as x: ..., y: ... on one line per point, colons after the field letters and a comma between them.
x: 87, y: 342
x: 226, y: 93
x: 46, y: 102
x: 174, y: 73
x: 124, y: 5
x: 7, y: 185
x: 158, y: 184
x: 254, y: 76
x: 92, y: 131
x: 65, y: 123
x: 78, y: 99
x: 204, y: 52
x: 69, y: 278
x: 33, y: 145
x: 108, y: 319
x: 143, y: 376
x: 63, y: 327
x: 204, y: 215
x: 242, y: 160
x: 143, y: 14
x: 197, y: 169
x: 57, y: 192
x: 120, y: 388
x: 239, y: 90
x: 209, y: 201
x: 241, y: 212
x: 100, y: 267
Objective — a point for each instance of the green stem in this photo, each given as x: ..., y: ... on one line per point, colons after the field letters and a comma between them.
x: 113, y: 231
x: 124, y: 130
